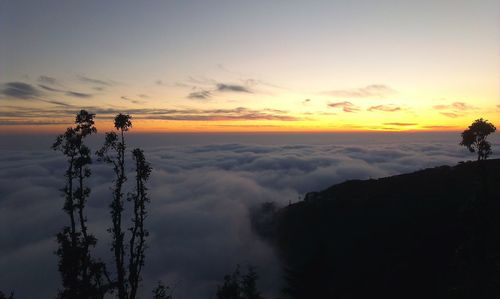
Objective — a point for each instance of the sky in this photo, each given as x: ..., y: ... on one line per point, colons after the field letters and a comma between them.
x: 250, y: 66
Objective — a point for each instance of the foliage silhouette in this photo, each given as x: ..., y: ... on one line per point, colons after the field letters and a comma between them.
x: 82, y: 276
x: 160, y: 292
x: 112, y: 143
x: 434, y: 233
x: 113, y: 152
x: 474, y: 138
x: 137, y: 243
x: 236, y: 286
x: 3, y: 296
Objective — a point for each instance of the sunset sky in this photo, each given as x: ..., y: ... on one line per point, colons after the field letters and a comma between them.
x: 250, y: 66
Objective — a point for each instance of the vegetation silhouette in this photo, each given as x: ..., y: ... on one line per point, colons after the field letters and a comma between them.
x: 3, y: 296
x: 236, y: 286
x: 84, y: 276
x: 434, y: 233
x: 474, y: 138
x: 162, y: 292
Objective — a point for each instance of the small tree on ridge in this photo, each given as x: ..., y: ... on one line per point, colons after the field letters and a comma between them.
x: 474, y: 138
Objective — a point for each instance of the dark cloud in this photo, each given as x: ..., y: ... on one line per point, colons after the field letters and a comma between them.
x: 47, y: 80
x: 400, y: 124
x: 21, y: 122
x: 143, y: 96
x: 48, y: 88
x: 19, y: 90
x: 346, y: 106
x: 385, y: 108
x: 239, y: 113
x: 86, y: 79
x: 201, y: 198
x: 78, y: 94
x: 200, y: 95
x: 374, y: 90
x: 232, y: 87
x: 66, y: 92
x: 59, y: 103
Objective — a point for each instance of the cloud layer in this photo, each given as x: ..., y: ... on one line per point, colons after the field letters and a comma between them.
x: 374, y: 90
x: 202, y: 192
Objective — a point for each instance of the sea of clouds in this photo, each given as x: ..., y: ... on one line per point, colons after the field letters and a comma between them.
x: 202, y: 190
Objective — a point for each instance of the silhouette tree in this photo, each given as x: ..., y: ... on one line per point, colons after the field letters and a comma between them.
x: 160, y: 292
x: 113, y: 152
x: 3, y: 296
x: 82, y: 276
x: 239, y: 287
x: 474, y: 138
x: 249, y: 285
x: 122, y: 123
x: 137, y: 243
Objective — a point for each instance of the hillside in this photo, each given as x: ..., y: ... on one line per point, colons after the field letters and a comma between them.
x: 433, y: 233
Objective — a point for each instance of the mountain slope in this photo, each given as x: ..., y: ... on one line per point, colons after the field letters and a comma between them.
x: 434, y: 233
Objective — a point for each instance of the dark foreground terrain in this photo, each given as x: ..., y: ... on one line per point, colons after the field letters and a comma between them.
x: 433, y: 233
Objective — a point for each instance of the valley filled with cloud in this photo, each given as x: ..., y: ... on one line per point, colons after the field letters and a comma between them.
x: 202, y: 192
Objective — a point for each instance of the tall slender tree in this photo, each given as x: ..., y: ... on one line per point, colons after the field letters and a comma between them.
x: 113, y: 152
x: 137, y: 244
x: 82, y: 276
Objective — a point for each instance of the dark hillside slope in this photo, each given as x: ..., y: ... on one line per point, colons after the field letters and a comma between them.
x: 434, y: 233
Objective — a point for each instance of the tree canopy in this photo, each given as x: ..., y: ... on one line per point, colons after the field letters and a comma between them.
x: 474, y: 138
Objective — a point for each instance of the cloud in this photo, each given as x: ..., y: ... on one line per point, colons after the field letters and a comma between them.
x: 400, y: 124
x: 66, y: 92
x: 234, y: 114
x: 47, y: 80
x: 30, y: 122
x: 346, y: 106
x: 384, y: 108
x: 451, y: 114
x: 455, y: 109
x: 201, y: 194
x: 86, y: 79
x: 439, y: 127
x: 374, y: 90
x: 200, y: 95
x: 132, y: 100
x: 78, y: 94
x: 456, y: 106
x: 239, y: 113
x: 232, y: 87
x: 48, y: 88
x: 20, y: 90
